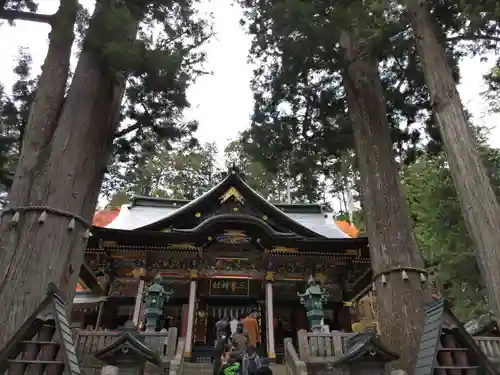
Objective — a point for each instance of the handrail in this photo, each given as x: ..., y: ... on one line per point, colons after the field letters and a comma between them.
x: 177, y: 363
x: 314, y: 345
x: 293, y: 364
x: 490, y: 346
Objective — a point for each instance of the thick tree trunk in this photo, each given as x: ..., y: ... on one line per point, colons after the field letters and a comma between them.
x: 392, y: 244
x: 477, y: 198
x: 47, y: 105
x: 34, y: 254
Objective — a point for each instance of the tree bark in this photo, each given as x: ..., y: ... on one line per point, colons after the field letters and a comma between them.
x: 32, y: 254
x: 389, y: 229
x: 479, y: 204
x: 47, y: 104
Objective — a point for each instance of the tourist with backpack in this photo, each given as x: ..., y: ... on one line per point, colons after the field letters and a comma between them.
x: 230, y: 364
x: 240, y: 340
x: 251, y: 361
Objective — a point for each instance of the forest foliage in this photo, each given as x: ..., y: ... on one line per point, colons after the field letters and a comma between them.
x: 300, y: 137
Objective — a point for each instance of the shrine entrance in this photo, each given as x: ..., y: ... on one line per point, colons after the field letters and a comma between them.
x: 238, y: 308
x: 229, y: 297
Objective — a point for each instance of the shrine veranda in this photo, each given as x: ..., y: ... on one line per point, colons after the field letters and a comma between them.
x: 223, y: 254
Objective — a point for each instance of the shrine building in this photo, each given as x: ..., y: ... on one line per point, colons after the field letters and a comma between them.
x: 223, y: 254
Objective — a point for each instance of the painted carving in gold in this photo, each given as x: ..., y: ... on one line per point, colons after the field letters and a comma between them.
x: 234, y: 237
x: 367, y: 314
x: 183, y: 246
x: 234, y: 193
x: 282, y: 249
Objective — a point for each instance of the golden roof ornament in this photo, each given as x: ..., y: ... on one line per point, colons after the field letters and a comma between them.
x: 234, y: 193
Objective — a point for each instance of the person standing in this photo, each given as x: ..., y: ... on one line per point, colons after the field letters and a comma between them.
x: 251, y: 326
x: 234, y: 325
x: 240, y: 340
x: 219, y: 354
x: 222, y: 328
x: 251, y: 362
x: 230, y: 364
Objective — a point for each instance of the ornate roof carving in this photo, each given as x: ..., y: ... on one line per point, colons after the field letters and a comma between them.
x: 127, y: 349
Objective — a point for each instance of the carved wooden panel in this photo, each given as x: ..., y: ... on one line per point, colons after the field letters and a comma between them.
x: 124, y: 287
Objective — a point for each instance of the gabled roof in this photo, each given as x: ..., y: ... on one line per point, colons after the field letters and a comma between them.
x: 127, y: 349
x: 366, y: 347
x: 438, y: 317
x: 156, y: 213
x: 61, y: 339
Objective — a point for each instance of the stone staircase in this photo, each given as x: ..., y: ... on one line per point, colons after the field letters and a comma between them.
x: 206, y: 369
x: 278, y: 369
x: 192, y: 368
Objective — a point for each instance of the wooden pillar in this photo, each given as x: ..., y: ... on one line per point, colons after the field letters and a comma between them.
x: 99, y: 316
x: 190, y: 322
x: 138, y: 304
x: 270, y: 321
x: 106, y: 285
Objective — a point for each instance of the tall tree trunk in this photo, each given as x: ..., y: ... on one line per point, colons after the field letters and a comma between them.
x: 33, y: 254
x: 46, y: 107
x: 479, y: 204
x: 392, y: 243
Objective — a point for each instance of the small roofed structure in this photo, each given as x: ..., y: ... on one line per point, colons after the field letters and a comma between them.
x: 446, y: 345
x: 366, y: 347
x: 127, y: 350
x: 364, y: 355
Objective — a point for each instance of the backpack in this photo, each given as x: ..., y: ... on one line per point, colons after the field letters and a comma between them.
x: 253, y: 366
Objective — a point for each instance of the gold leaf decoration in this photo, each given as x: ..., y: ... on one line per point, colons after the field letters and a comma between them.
x: 234, y: 193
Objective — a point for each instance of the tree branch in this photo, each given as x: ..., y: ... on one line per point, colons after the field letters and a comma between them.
x: 13, y: 15
x: 127, y: 130
x: 472, y: 38
x: 137, y: 125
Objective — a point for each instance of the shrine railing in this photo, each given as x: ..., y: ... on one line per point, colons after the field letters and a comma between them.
x: 177, y: 363
x: 90, y: 342
x: 490, y: 346
x: 293, y: 364
x: 314, y: 346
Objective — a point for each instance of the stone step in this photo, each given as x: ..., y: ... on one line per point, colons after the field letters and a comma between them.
x: 191, y: 368
x: 278, y: 369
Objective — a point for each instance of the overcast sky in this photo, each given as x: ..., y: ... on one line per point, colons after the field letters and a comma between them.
x: 222, y: 102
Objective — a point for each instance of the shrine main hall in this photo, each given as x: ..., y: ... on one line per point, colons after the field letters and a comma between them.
x: 225, y: 253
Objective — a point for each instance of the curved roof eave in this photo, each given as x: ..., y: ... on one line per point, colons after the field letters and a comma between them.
x: 233, y: 222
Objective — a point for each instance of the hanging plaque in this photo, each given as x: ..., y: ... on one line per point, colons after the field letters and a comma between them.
x: 229, y: 287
